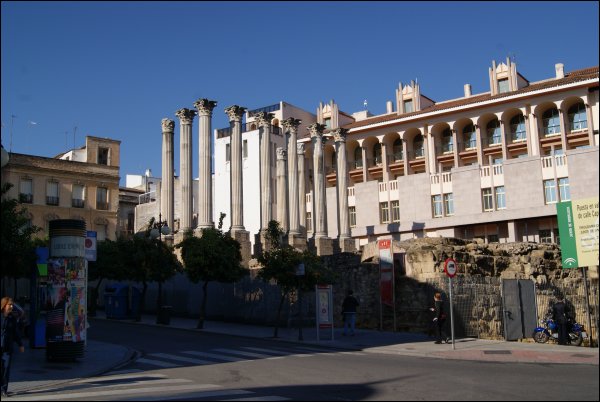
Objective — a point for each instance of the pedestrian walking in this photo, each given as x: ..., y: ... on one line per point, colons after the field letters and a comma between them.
x: 10, y: 334
x: 349, y: 312
x: 559, y: 315
x: 439, y: 318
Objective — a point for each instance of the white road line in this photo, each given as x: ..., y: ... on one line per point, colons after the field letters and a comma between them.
x: 242, y: 353
x: 180, y: 358
x: 271, y: 351
x: 214, y: 356
x: 125, y: 371
x: 119, y: 377
x: 117, y: 392
x: 157, y: 363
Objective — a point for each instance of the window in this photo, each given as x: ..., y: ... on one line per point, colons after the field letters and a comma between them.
x: 493, y: 238
x: 563, y: 189
x: 449, y: 203
x: 102, y: 198
x: 488, y: 204
x: 408, y: 106
x: 377, y: 160
x: 470, y: 137
x: 436, y: 203
x: 327, y: 122
x: 545, y: 236
x: 352, y: 216
x: 447, y: 141
x: 550, y: 191
x: 227, y: 152
x: 398, y: 151
x: 309, y: 222
x: 26, y: 191
x: 78, y: 196
x: 500, y: 197
x: 102, y: 156
x: 517, y: 128
x: 245, y: 148
x: 551, y: 122
x: 577, y: 117
x: 395, y: 211
x: 503, y: 86
x: 494, y: 133
x: 384, y: 212
x: 418, y: 146
x: 52, y: 193
x: 358, y: 158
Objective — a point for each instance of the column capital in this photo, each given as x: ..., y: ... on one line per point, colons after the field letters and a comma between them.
x: 300, y: 149
x: 339, y: 134
x: 316, y: 130
x: 281, y: 154
x: 205, y: 106
x: 235, y: 112
x: 186, y: 116
x: 291, y: 123
x: 168, y: 125
x: 263, y: 118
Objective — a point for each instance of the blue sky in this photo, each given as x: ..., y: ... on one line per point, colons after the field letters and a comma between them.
x: 115, y: 69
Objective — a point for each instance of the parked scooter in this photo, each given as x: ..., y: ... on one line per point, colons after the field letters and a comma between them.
x: 548, y: 329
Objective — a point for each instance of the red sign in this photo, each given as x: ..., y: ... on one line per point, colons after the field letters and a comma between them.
x: 450, y: 267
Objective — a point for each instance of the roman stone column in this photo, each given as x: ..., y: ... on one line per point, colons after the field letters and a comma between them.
x: 291, y: 127
x: 301, y: 190
x: 282, y: 188
x: 325, y: 246
x: 205, y: 210
x: 237, y: 230
x: 266, y: 214
x: 345, y: 238
x: 167, y: 203
x: 186, y: 117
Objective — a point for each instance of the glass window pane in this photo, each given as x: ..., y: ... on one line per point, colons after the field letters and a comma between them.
x: 436, y: 204
x: 395, y: 211
x: 549, y: 191
x: 500, y: 198
x: 487, y: 199
x: 564, y: 190
x: 449, y: 203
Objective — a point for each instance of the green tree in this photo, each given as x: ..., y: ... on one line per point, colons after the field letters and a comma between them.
x: 213, y: 257
x: 109, y: 265
x: 16, y: 245
x: 280, y: 264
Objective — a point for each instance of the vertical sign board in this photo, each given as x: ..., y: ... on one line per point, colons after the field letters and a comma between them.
x: 578, y: 229
x: 324, y: 302
x: 90, y: 245
x: 386, y: 272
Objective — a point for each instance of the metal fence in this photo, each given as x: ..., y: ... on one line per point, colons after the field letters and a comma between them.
x: 478, y: 311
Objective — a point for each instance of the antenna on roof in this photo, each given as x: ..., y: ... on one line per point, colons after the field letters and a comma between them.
x: 365, y: 104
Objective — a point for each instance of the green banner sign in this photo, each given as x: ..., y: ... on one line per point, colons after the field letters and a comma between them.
x: 578, y: 229
x: 566, y: 230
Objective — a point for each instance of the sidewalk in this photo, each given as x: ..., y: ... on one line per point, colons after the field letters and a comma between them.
x: 30, y: 370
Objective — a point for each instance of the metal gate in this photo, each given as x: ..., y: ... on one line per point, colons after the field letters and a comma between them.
x: 519, y: 306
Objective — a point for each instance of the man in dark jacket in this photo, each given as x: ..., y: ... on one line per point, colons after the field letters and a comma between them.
x: 439, y: 318
x: 559, y: 315
x: 10, y: 334
x: 349, y: 311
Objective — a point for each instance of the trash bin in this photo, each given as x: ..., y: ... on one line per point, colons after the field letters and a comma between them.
x: 164, y: 315
x: 121, y: 301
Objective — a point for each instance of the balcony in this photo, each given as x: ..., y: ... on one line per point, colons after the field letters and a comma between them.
x: 549, y: 163
x: 492, y: 176
x: 25, y: 198
x: 102, y: 206
x: 77, y: 203
x: 51, y: 200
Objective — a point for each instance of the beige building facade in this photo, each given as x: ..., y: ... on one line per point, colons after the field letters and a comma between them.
x: 78, y: 184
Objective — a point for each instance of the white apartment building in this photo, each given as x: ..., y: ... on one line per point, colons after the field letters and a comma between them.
x: 490, y: 165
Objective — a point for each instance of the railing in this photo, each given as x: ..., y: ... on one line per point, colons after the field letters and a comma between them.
x: 267, y: 109
x: 394, y: 185
x: 77, y: 203
x: 51, y: 200
x: 25, y: 198
x: 447, y: 177
x: 147, y: 197
x: 496, y: 170
x: 309, y: 198
x: 102, y: 206
x: 382, y: 187
x: 226, y: 132
x: 350, y: 191
x: 559, y: 160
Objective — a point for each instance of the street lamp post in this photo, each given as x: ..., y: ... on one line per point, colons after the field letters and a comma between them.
x: 160, y: 228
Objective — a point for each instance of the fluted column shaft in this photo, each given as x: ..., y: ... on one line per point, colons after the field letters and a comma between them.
x: 235, y: 114
x: 291, y: 125
x: 301, y: 187
x: 167, y: 205
x: 264, y: 121
x: 339, y: 135
x: 316, y: 133
x: 186, y: 117
x: 205, y: 210
x: 282, y: 189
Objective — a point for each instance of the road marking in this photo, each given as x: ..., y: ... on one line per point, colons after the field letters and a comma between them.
x: 213, y: 356
x: 119, y: 377
x: 271, y: 351
x: 157, y: 363
x: 180, y: 358
x: 117, y: 392
x: 242, y: 353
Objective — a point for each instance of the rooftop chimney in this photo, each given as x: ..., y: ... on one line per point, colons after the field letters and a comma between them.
x: 388, y: 106
x: 560, y: 70
x: 467, y: 90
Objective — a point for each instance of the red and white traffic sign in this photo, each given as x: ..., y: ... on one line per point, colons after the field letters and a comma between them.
x: 450, y: 267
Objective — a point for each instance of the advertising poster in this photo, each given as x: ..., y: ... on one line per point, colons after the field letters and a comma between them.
x: 578, y: 229
x: 386, y: 272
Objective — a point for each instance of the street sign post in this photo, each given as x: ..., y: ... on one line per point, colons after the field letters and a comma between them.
x: 450, y: 269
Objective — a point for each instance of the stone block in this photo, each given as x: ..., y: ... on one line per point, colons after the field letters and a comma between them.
x: 324, y: 246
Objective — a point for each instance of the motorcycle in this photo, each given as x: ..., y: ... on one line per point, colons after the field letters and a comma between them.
x: 548, y: 329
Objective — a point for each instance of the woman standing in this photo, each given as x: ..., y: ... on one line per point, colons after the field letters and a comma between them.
x: 10, y: 334
x: 439, y: 318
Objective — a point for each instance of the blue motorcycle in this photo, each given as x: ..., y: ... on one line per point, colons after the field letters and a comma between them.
x: 548, y: 329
